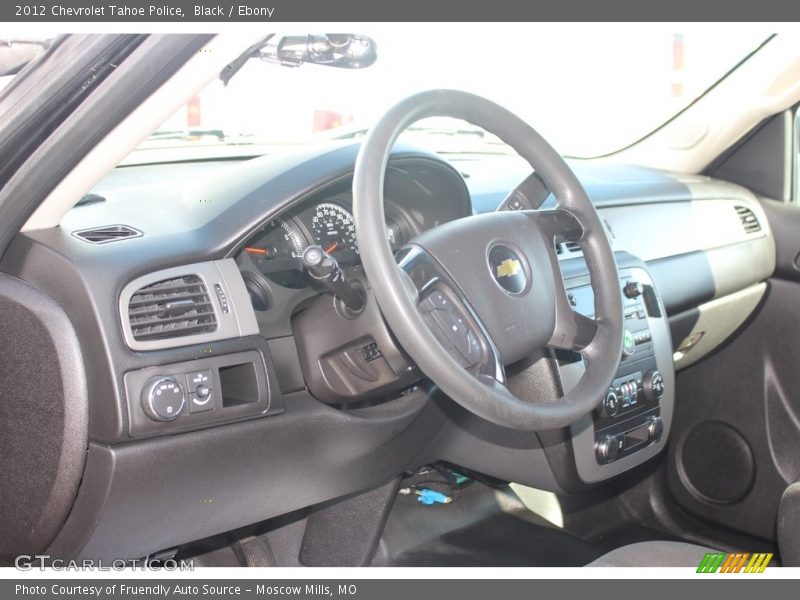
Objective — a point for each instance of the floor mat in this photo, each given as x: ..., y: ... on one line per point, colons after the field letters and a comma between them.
x: 489, y: 526
x: 501, y: 541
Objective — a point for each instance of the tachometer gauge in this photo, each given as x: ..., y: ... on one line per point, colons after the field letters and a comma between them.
x: 276, y: 251
x: 333, y: 229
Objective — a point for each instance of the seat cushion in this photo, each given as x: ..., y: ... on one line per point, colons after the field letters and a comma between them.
x: 654, y: 554
x: 789, y: 526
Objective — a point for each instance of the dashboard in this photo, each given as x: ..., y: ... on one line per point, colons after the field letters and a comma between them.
x: 419, y: 195
x: 243, y: 420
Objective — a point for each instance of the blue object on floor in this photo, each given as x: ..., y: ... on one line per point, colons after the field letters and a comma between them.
x: 428, y: 497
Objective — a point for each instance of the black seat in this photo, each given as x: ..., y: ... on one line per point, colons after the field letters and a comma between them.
x: 789, y: 526
x: 654, y: 554
x: 681, y: 554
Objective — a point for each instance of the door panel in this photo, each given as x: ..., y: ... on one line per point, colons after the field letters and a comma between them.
x: 784, y: 219
x: 736, y: 429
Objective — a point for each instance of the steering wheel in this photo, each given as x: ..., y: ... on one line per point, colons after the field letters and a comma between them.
x: 472, y: 295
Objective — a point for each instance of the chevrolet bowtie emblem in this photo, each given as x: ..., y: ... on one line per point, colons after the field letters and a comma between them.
x: 508, y: 268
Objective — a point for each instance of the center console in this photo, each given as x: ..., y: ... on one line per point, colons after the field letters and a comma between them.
x: 632, y: 420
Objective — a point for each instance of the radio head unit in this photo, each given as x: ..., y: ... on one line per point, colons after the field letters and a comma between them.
x: 632, y: 420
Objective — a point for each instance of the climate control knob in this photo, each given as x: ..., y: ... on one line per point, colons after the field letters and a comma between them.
x: 163, y: 399
x: 610, y: 405
x: 653, y: 386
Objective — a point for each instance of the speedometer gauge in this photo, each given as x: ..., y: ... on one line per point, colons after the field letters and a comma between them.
x: 276, y: 252
x: 334, y: 229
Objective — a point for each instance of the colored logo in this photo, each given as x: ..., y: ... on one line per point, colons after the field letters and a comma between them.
x: 741, y: 562
x: 506, y: 267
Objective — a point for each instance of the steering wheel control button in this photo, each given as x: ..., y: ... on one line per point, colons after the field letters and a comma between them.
x: 439, y: 301
x: 163, y: 399
x: 456, y: 334
x: 515, y: 204
x: 450, y: 327
x: 507, y: 269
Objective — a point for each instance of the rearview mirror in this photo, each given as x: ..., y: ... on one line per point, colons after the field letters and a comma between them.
x: 342, y: 50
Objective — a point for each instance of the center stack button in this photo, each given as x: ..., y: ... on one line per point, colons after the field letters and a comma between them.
x: 201, y: 391
x: 610, y: 404
x: 163, y: 399
x: 628, y: 344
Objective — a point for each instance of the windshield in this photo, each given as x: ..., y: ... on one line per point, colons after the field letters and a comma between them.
x: 587, y: 91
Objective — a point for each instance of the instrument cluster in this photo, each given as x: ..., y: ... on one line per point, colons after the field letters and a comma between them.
x: 275, y: 251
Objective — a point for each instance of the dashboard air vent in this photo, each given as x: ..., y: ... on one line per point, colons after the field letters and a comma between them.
x: 749, y: 219
x: 572, y: 246
x: 171, y: 308
x: 103, y: 235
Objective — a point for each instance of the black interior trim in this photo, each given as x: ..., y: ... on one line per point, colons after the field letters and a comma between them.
x: 758, y: 162
x: 231, y: 476
x: 43, y: 417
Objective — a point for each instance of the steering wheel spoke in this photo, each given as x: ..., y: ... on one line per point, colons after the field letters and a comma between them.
x: 572, y: 331
x: 529, y: 194
x: 450, y: 317
x: 559, y: 225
